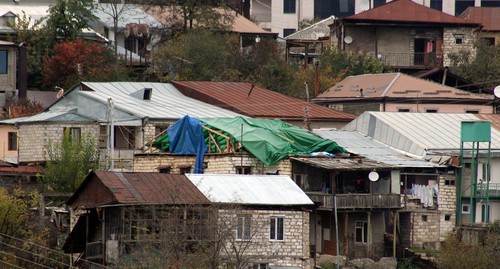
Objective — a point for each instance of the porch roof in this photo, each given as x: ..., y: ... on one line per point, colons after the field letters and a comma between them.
x: 344, y: 164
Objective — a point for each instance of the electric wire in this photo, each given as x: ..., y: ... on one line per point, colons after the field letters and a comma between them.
x: 23, y: 259
x: 11, y: 264
x: 32, y: 253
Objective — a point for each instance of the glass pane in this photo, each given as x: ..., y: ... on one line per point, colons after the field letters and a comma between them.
x: 272, y: 226
x: 280, y: 229
x: 3, y: 61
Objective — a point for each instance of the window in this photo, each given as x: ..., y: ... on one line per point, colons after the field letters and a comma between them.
x: 298, y: 179
x: 4, y: 61
x: 12, y: 143
x: 160, y: 128
x: 465, y: 209
x: 164, y: 169
x: 185, y: 170
x: 377, y: 3
x: 260, y: 266
x: 289, y: 6
x: 490, y: 3
x: 339, y: 8
x: 243, y: 170
x: 437, y: 5
x: 361, y: 232
x: 459, y: 41
x: 431, y: 110
x: 449, y: 182
x: 489, y: 41
x: 288, y: 31
x: 404, y: 110
x: 244, y: 227
x: 424, y: 218
x: 472, y: 111
x: 75, y: 134
x: 277, y: 228
x: 447, y: 217
x: 462, y: 5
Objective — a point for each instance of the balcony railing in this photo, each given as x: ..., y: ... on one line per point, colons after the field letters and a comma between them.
x: 494, y: 190
x: 352, y: 201
x: 412, y: 59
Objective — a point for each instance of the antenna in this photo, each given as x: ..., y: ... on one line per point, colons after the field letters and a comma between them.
x: 348, y: 39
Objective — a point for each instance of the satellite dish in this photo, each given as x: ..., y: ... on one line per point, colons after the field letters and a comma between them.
x: 257, y: 39
x: 496, y: 91
x: 149, y: 47
x: 348, y: 39
x: 60, y: 93
x: 373, y: 176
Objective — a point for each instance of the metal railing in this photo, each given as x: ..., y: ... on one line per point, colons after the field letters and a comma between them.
x: 412, y: 59
x: 494, y: 189
x: 364, y: 200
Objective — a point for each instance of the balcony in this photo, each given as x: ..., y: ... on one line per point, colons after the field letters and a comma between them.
x: 356, y: 201
x: 424, y: 60
x: 494, y: 190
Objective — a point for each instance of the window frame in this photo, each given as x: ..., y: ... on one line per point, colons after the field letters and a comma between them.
x: 363, y: 227
x: 274, y: 229
x: 289, y: 6
x: 75, y: 134
x: 244, y: 227
x: 243, y: 170
x: 12, y: 141
x: 4, y: 63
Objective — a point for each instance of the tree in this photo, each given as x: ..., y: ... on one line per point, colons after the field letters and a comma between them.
x: 481, y: 67
x: 23, y: 108
x: 68, y: 17
x: 456, y: 254
x: 116, y: 9
x: 80, y: 60
x: 69, y: 162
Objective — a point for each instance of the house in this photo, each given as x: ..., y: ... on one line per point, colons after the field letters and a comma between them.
x: 257, y: 102
x: 285, y: 16
x: 260, y: 221
x: 247, y: 31
x: 421, y: 223
x: 397, y: 92
x: 446, y: 77
x: 132, y: 113
x: 488, y: 18
x: 309, y: 42
x: 441, y: 136
x: 8, y: 69
x: 405, y: 35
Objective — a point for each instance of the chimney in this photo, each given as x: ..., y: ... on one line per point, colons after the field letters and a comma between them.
x: 22, y: 75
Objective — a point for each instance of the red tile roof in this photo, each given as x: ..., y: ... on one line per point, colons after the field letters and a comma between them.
x: 407, y: 11
x: 395, y: 85
x: 489, y: 17
x: 104, y: 188
x: 256, y: 102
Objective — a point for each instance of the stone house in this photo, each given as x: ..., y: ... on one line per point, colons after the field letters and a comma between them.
x: 405, y: 35
x: 8, y: 69
x: 398, y: 92
x: 488, y: 18
x: 437, y: 137
x: 260, y: 221
x: 131, y: 113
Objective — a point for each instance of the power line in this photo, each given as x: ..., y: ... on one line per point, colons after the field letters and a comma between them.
x: 33, y: 253
x: 22, y: 259
x: 11, y: 264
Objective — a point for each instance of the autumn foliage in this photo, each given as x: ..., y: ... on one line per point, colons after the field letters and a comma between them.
x: 77, y: 61
x: 23, y: 108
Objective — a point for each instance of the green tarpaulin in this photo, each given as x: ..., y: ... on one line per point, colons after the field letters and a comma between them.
x: 268, y: 140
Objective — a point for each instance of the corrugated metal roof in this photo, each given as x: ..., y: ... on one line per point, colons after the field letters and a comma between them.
x: 250, y: 189
x: 136, y: 188
x: 343, y: 164
x: 489, y: 17
x: 130, y: 14
x: 49, y: 116
x: 367, y: 147
x: 419, y: 133
x: 395, y: 85
x: 313, y: 32
x: 166, y: 101
x: 407, y: 11
x: 254, y: 101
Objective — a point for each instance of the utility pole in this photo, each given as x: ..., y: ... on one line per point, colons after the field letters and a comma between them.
x: 316, y: 77
x: 111, y: 134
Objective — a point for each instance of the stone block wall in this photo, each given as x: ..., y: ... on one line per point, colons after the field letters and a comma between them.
x: 215, y: 164
x: 425, y: 228
x: 293, y: 250
x: 447, y: 200
x: 450, y: 34
x: 34, y: 138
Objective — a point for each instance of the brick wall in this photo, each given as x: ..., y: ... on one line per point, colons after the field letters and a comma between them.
x: 425, y: 228
x: 34, y: 138
x: 468, y: 35
x: 447, y: 200
x: 215, y: 164
x: 293, y: 250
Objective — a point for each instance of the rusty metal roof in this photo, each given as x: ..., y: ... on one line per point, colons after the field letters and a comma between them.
x: 407, y: 11
x: 396, y: 85
x: 254, y: 101
x: 105, y: 188
x: 489, y: 17
x: 347, y: 164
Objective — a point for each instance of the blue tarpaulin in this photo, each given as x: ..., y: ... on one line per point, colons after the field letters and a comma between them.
x: 186, y: 137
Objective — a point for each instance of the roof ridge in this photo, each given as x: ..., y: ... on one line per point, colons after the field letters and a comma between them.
x: 390, y: 84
